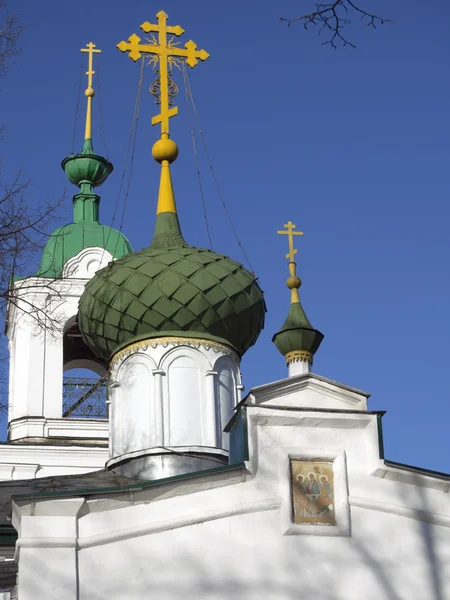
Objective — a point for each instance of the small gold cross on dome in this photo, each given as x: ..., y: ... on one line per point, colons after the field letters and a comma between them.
x: 89, y: 93
x: 91, y: 50
x: 289, y: 231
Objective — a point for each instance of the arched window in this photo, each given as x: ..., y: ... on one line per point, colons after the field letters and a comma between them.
x: 84, y: 379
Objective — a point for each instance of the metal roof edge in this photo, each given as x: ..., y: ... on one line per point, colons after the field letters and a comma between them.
x: 132, y: 486
x: 419, y: 470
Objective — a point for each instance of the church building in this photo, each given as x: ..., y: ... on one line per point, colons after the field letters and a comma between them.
x: 157, y: 477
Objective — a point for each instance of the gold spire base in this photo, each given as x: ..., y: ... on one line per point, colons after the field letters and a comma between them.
x: 165, y: 151
x: 166, y: 197
x: 299, y: 356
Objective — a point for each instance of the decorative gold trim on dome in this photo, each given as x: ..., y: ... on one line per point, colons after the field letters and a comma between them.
x: 299, y: 356
x: 165, y: 342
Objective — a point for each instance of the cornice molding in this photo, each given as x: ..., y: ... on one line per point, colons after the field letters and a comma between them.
x: 174, y: 341
x: 320, y: 385
x: 401, y: 511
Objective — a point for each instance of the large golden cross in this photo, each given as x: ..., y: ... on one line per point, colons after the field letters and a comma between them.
x: 166, y: 52
x: 290, y: 233
x: 89, y: 93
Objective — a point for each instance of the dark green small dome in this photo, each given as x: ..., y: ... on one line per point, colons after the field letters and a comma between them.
x: 297, y: 333
x: 87, y: 167
x: 171, y: 288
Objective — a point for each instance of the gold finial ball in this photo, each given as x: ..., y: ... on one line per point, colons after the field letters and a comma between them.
x: 89, y: 93
x: 293, y: 282
x: 165, y: 149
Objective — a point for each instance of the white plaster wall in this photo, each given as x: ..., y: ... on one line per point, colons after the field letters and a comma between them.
x: 231, y: 541
x: 246, y: 557
x: 34, y: 461
x: 230, y: 535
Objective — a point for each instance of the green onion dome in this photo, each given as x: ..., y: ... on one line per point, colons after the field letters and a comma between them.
x: 297, y: 334
x: 171, y: 288
x: 297, y: 339
x: 86, y: 170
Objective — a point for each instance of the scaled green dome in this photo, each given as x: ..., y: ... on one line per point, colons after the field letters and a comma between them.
x: 171, y: 288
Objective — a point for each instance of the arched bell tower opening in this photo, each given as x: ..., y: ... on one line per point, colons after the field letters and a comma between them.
x: 76, y: 354
x: 85, y: 392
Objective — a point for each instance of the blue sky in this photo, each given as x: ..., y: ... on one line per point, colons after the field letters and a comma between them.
x: 353, y: 146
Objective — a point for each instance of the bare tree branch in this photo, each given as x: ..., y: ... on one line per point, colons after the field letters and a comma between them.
x: 10, y: 32
x: 333, y: 18
x: 22, y: 225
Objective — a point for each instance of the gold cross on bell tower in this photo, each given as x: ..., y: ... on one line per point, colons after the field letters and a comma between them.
x: 293, y: 282
x: 89, y: 93
x: 167, y: 53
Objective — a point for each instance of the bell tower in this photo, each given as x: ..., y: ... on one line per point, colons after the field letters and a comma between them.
x: 52, y: 370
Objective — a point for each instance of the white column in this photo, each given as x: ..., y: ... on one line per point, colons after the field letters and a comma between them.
x: 239, y: 389
x: 112, y: 441
x: 158, y: 412
x: 26, y: 371
x: 53, y: 375
x: 210, y: 409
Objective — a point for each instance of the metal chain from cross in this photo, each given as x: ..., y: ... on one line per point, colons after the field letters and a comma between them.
x: 89, y: 93
x: 164, y: 51
x: 289, y: 231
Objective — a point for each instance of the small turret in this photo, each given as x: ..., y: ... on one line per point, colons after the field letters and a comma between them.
x: 297, y: 340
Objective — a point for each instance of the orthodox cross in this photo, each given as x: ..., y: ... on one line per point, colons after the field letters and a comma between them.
x: 89, y: 93
x: 167, y: 53
x: 289, y: 231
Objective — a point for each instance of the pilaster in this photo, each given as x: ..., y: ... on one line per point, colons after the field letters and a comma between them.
x: 47, y: 549
x: 158, y: 412
x: 211, y: 410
